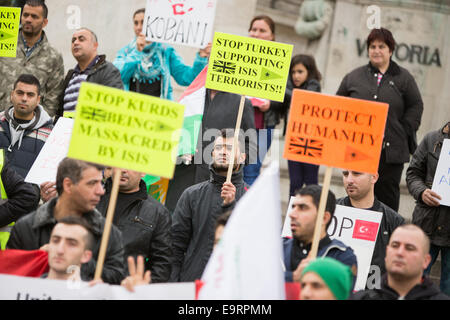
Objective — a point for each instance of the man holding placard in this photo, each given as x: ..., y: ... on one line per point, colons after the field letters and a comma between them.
x: 303, y: 220
x: 360, y: 190
x: 79, y: 185
x: 199, y: 206
x: 428, y: 182
x: 147, y: 67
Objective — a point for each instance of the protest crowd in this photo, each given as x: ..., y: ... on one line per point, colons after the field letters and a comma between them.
x: 54, y: 227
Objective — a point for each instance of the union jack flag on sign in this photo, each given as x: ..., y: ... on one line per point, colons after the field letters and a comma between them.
x: 306, y: 147
x: 91, y: 113
x: 224, y: 67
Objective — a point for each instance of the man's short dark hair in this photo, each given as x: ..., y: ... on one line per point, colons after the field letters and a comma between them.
x: 79, y: 221
x: 228, y: 133
x: 141, y: 10
x: 38, y: 3
x: 72, y: 169
x: 28, y: 79
x: 315, y: 192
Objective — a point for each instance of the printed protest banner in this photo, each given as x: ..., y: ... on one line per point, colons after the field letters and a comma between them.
x: 54, y: 150
x: 9, y: 31
x: 243, y: 266
x: 126, y: 130
x: 335, y: 131
x: 441, y: 181
x: 358, y: 229
x: 26, y: 288
x: 249, y: 66
x: 184, y: 22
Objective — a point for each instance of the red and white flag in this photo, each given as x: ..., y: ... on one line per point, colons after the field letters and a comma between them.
x: 27, y: 263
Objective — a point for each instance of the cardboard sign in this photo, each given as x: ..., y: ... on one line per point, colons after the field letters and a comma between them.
x: 335, y: 131
x: 9, y: 31
x: 186, y: 22
x: 26, y: 288
x: 249, y: 66
x: 54, y: 150
x: 126, y: 130
x: 356, y: 228
x: 441, y: 181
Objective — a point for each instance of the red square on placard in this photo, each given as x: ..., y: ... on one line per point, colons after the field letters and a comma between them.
x: 365, y: 230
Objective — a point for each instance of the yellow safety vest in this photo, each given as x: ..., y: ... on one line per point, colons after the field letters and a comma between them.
x: 6, y: 230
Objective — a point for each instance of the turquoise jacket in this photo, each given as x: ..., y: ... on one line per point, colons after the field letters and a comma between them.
x: 155, y: 61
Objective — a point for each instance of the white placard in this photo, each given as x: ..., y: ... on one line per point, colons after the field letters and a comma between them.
x: 187, y: 22
x: 357, y: 228
x: 54, y: 150
x: 441, y: 181
x: 26, y: 288
x: 242, y: 266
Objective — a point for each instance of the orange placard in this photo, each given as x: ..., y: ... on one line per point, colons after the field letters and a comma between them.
x: 335, y: 131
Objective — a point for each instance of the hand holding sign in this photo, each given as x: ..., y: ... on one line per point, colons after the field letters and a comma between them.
x: 441, y: 182
x: 431, y: 198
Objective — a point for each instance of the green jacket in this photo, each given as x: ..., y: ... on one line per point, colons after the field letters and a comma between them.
x: 45, y: 63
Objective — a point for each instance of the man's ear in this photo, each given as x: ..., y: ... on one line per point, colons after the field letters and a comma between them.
x: 87, y: 255
x: 45, y: 23
x: 67, y: 185
x: 242, y: 158
x: 375, y: 177
x: 326, y: 218
x: 426, y: 261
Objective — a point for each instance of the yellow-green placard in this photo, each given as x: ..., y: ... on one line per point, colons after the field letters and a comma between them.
x: 127, y: 130
x: 9, y: 31
x: 249, y: 66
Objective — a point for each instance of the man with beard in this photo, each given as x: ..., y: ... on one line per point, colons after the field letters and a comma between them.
x: 194, y: 218
x: 407, y: 256
x: 360, y: 188
x: 34, y: 56
x: 303, y: 221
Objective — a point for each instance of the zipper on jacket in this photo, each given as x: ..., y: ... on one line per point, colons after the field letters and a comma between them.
x: 139, y: 220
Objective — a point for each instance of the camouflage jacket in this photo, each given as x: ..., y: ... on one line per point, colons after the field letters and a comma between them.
x: 45, y: 63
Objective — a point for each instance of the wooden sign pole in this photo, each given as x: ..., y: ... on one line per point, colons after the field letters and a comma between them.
x: 108, y: 223
x: 236, y: 138
x: 321, y: 212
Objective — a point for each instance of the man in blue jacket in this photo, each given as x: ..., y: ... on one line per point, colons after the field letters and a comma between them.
x: 303, y: 220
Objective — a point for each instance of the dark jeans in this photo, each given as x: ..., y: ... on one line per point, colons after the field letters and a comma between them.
x: 251, y: 170
x: 387, y: 188
x: 301, y: 173
x: 445, y: 266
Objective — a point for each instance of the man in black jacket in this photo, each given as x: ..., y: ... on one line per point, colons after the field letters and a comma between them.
x: 194, y: 218
x: 428, y: 214
x: 79, y: 185
x: 406, y: 258
x: 91, y: 67
x: 144, y: 223
x: 360, y: 190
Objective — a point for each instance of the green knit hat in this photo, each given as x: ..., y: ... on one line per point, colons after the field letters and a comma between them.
x: 336, y: 275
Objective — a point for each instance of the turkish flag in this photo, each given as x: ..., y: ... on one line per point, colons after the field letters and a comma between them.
x: 26, y: 263
x: 365, y: 230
